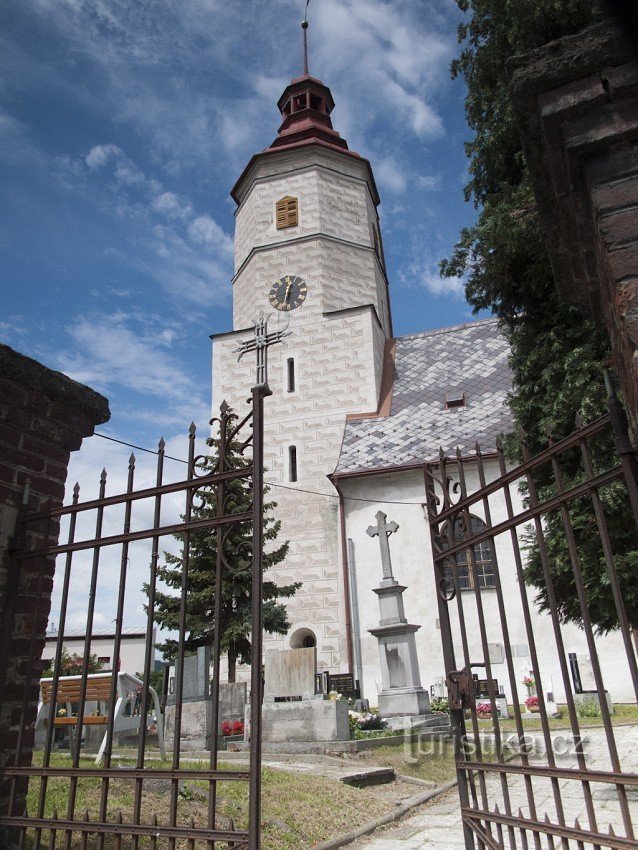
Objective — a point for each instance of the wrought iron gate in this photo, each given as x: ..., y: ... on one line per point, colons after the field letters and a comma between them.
x: 521, y: 783
x: 122, y: 521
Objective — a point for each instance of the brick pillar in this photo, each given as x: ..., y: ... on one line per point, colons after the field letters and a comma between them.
x: 44, y: 416
x: 576, y: 102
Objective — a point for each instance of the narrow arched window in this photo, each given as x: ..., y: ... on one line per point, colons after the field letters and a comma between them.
x: 286, y: 213
x: 292, y: 463
x: 483, y: 575
x: 290, y: 374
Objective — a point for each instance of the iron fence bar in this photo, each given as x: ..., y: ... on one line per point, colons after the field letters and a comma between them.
x: 558, y: 638
x: 144, y: 534
x: 148, y: 493
x: 593, y: 655
x: 511, y: 476
x: 467, y: 666
x: 77, y: 740
x: 119, y: 618
x: 601, y: 524
x: 126, y: 773
x: 179, y: 663
x: 59, y: 645
x: 572, y: 773
x: 486, y: 652
x: 616, y: 842
x: 448, y: 641
x: 148, y: 649
x: 259, y: 392
x: 531, y: 513
x: 457, y: 719
x: 219, y: 542
x: 527, y: 617
x: 140, y: 829
x: 529, y: 788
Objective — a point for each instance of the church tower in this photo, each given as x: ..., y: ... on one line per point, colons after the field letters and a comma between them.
x: 308, y: 246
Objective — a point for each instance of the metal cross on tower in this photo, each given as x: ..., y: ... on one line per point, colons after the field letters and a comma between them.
x: 383, y: 530
x: 261, y: 342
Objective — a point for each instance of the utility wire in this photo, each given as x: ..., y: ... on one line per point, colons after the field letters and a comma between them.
x: 268, y: 483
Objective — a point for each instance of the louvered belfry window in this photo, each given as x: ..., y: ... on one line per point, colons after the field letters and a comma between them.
x: 287, y: 212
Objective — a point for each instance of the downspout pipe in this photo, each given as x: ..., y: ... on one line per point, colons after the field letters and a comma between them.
x: 345, y: 576
x: 356, y: 625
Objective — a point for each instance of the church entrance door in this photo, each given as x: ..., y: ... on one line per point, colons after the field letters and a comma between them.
x: 529, y: 775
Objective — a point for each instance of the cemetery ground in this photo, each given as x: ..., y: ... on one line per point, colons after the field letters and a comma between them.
x: 304, y: 801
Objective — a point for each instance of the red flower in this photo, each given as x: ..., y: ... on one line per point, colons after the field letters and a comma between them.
x: 227, y: 728
x: 238, y: 727
x: 531, y: 702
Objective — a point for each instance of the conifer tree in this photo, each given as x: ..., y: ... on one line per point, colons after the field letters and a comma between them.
x: 237, y: 573
x: 557, y: 353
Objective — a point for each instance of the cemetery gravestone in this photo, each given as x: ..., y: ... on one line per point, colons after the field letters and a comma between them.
x: 292, y: 711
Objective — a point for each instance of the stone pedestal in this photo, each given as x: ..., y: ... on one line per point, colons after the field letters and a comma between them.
x: 402, y: 694
x: 309, y: 720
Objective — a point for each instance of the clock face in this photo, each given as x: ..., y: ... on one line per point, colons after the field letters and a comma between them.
x: 288, y: 293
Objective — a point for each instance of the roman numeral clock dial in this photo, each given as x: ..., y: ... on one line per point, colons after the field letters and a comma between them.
x: 288, y: 293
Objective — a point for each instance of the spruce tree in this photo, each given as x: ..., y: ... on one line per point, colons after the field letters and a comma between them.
x: 557, y: 353
x: 235, y: 620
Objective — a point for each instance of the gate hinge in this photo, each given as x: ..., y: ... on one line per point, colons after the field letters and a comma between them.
x: 460, y: 689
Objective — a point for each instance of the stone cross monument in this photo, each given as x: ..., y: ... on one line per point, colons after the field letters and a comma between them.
x: 401, y: 694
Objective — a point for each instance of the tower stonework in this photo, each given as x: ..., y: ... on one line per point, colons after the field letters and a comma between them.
x: 308, y: 246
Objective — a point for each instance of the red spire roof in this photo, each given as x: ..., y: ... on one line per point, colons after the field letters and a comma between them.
x: 305, y: 107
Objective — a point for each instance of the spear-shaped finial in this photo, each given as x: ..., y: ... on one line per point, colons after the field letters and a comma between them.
x: 304, y: 27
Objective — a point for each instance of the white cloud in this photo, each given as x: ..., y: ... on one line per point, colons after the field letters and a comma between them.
x: 170, y: 205
x: 203, y: 230
x: 390, y: 176
x: 108, y: 351
x: 429, y: 182
x: 446, y: 286
x: 99, y: 155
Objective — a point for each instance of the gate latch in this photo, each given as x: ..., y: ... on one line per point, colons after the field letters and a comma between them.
x: 460, y: 689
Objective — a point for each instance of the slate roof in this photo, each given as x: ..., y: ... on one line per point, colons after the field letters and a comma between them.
x: 469, y: 359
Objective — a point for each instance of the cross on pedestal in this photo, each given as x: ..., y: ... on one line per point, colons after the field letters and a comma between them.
x: 383, y: 530
x: 261, y: 342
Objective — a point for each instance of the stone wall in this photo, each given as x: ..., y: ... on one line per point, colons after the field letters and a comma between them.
x: 43, y: 418
x: 576, y: 102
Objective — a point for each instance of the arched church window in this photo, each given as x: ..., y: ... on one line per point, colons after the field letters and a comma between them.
x: 483, y: 557
x: 286, y: 213
x: 292, y: 463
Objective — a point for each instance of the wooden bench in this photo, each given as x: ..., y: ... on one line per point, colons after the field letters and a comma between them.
x: 98, y: 690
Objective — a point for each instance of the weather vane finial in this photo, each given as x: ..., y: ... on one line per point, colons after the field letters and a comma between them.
x: 304, y: 27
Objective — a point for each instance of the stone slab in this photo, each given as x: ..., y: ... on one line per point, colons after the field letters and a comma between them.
x: 290, y: 673
x: 196, y: 725
x: 311, y: 720
x: 232, y: 700
x: 402, y: 703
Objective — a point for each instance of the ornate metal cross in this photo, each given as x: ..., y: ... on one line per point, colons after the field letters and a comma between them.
x: 260, y: 343
x: 383, y: 530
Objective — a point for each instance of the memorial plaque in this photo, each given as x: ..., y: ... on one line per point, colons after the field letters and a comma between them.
x: 290, y: 673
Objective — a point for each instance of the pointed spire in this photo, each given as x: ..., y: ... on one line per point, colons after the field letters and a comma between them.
x: 161, y: 445
x: 304, y: 27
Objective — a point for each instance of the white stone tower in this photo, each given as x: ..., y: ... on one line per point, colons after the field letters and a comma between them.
x: 308, y: 244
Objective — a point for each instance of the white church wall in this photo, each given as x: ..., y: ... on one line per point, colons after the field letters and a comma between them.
x: 413, y: 566
x: 334, y: 376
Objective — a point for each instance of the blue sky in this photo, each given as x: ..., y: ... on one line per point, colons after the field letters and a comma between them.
x: 123, y: 126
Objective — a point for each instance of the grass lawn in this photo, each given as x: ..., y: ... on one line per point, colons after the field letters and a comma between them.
x: 298, y: 810
x: 622, y: 714
x: 432, y: 761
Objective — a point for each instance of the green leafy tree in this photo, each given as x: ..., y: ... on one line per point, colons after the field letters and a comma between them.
x: 71, y: 663
x: 557, y: 353
x: 237, y: 576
